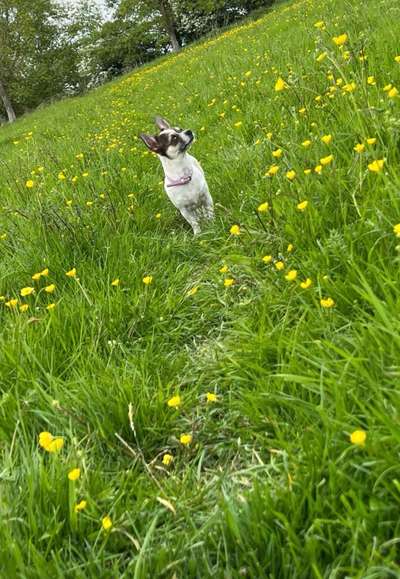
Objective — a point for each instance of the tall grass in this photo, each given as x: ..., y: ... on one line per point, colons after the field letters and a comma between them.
x: 270, y: 484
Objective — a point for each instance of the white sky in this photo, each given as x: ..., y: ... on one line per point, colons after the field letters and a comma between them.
x: 101, y: 3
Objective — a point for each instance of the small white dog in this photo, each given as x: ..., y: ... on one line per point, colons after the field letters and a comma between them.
x: 184, y: 182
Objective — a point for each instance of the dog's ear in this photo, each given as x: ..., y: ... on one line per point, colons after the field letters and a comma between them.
x: 150, y: 142
x: 162, y: 123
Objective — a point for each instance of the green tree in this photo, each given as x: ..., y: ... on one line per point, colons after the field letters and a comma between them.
x: 159, y: 13
x: 40, y: 51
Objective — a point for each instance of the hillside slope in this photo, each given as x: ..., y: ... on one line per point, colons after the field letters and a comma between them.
x: 232, y: 400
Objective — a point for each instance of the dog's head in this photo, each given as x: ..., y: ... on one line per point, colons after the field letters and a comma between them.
x: 171, y: 142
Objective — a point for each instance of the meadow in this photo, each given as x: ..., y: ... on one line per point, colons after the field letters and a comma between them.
x: 225, y: 405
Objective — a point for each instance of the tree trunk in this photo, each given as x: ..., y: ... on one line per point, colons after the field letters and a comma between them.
x: 169, y: 22
x: 7, y: 104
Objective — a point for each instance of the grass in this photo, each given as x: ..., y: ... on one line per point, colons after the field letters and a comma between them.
x: 270, y: 485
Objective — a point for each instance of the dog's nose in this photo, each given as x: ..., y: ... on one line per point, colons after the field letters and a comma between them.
x: 189, y: 133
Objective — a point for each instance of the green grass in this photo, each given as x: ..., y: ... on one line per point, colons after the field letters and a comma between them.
x: 271, y: 485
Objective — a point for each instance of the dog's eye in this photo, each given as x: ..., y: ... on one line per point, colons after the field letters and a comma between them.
x: 174, y: 139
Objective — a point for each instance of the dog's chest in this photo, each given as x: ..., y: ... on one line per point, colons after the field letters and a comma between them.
x: 188, y: 194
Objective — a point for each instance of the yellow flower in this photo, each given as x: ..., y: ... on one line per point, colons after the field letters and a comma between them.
x: 80, y: 506
x: 263, y: 207
x: 306, y: 283
x: 290, y: 248
x: 175, y: 401
x: 277, y: 154
x: 327, y: 302
x: 267, y: 258
x: 280, y: 265
x: 326, y: 160
x: 11, y: 303
x: 291, y: 275
x: 192, y: 291
x: 223, y: 269
x: 318, y: 169
x: 71, y: 272
x: 228, y: 282
x: 74, y: 474
x: 106, y: 523
x: 359, y: 148
x: 211, y: 397
x: 238, y: 124
x: 50, y: 307
x: 186, y: 439
x: 234, y: 230
x: 45, y: 438
x: 61, y: 176
x: 397, y: 58
x: 148, y: 279
x: 371, y: 141
x: 306, y: 143
x: 158, y: 215
x: 167, y: 459
x: 396, y: 230
x: 320, y: 25
x: 272, y: 170
x: 307, y: 171
x: 44, y: 272
x: 291, y: 175
x: 79, y: 156
x: 50, y: 443
x: 280, y: 85
x: 358, y: 437
x: 29, y: 184
x: 349, y: 87
x: 371, y: 80
x: 115, y: 282
x: 302, y: 110
x: 393, y: 93
x: 50, y: 288
x: 376, y: 166
x: 340, y: 40
x: 27, y: 291
x: 302, y: 206
x: 55, y: 445
x: 23, y: 308
x: 327, y: 139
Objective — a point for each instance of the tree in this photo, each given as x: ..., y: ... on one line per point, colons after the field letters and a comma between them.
x: 40, y: 51
x: 169, y: 23
x: 7, y: 104
x: 157, y: 13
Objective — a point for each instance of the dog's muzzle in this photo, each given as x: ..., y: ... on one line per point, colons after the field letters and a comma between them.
x: 190, y: 141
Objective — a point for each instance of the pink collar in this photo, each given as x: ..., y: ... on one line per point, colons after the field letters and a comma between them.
x: 182, y: 181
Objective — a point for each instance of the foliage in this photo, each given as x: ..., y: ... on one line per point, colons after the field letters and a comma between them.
x: 40, y: 46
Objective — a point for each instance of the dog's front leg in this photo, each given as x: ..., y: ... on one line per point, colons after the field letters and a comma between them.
x: 191, y: 219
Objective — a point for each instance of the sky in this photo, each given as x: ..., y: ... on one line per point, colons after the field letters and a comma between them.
x: 101, y: 3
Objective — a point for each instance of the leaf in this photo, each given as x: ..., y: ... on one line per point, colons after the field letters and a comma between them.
x: 167, y: 505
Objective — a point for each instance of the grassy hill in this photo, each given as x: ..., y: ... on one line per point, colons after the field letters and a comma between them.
x: 280, y: 336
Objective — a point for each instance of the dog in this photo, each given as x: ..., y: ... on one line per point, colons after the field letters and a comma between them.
x: 184, y: 183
